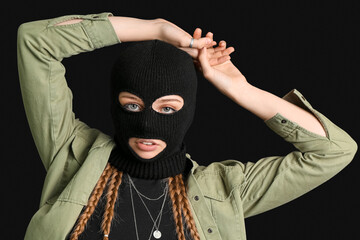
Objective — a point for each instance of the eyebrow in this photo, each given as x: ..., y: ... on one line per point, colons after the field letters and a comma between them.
x: 169, y: 100
x: 161, y: 100
x: 128, y: 96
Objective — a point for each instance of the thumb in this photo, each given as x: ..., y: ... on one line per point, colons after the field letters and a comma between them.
x: 204, y: 63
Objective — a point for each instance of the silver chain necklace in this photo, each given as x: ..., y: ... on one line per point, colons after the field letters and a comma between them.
x: 156, y: 233
x: 138, y: 192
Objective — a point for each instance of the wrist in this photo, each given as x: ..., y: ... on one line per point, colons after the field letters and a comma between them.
x: 242, y: 92
x: 239, y: 89
x: 158, y: 26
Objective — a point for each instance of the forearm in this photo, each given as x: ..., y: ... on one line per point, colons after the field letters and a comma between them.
x: 130, y: 29
x: 134, y: 29
x: 265, y: 105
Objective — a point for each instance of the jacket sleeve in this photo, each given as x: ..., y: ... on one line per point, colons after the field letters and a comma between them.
x: 273, y: 181
x: 46, y: 96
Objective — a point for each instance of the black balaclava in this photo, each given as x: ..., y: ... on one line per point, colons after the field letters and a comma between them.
x: 152, y: 69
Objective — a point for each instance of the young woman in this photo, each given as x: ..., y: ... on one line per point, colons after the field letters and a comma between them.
x: 142, y: 184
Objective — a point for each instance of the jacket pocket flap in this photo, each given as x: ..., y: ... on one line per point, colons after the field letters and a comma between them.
x: 219, y: 179
x: 214, y: 186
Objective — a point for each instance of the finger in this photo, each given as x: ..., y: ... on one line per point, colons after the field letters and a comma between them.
x: 202, y: 42
x: 197, y: 33
x: 221, y: 56
x: 219, y: 53
x: 204, y: 63
x: 229, y: 50
x: 218, y: 61
x: 223, y: 59
x: 222, y: 46
x: 210, y: 35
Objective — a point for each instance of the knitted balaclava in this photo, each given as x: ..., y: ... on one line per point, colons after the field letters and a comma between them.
x: 150, y: 70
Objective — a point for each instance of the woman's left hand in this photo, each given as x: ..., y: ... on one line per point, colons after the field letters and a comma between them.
x: 216, y: 55
x: 224, y: 76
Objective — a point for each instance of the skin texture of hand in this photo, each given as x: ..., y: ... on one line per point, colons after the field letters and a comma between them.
x: 176, y: 36
x: 223, y: 75
x: 182, y: 40
x: 215, y: 55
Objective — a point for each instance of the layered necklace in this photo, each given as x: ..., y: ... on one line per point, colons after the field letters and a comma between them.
x: 157, y: 221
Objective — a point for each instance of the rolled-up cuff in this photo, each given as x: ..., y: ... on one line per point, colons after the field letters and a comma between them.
x: 284, y: 127
x: 100, y: 30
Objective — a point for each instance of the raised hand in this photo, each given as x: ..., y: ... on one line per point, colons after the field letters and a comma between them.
x: 171, y: 33
x: 216, y: 55
x: 223, y: 75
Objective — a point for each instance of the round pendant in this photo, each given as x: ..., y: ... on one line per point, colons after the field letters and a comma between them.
x: 157, y: 234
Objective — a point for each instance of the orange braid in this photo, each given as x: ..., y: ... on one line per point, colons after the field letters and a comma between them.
x: 93, y: 201
x: 177, y: 192
x: 187, y: 210
x: 112, y: 193
x: 176, y: 207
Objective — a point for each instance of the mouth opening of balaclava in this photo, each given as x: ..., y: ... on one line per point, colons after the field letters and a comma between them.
x: 150, y: 70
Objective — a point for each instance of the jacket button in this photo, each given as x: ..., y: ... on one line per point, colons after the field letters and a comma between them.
x: 283, y: 121
x: 196, y: 198
x: 209, y: 230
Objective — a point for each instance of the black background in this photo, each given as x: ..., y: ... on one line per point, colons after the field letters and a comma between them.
x: 312, y: 46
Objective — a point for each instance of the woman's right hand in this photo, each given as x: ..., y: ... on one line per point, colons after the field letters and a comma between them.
x: 170, y: 33
x: 174, y: 35
x: 130, y: 29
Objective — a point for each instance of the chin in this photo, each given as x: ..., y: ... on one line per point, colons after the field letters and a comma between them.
x: 147, y: 155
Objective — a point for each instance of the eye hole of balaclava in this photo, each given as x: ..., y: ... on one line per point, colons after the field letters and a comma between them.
x: 168, y: 104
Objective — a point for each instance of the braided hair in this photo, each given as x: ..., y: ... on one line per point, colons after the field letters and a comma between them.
x: 112, y: 178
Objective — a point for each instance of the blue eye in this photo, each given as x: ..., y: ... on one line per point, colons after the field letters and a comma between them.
x: 132, y: 107
x: 168, y: 110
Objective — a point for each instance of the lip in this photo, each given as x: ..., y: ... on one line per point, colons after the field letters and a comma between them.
x: 145, y: 147
x: 153, y: 141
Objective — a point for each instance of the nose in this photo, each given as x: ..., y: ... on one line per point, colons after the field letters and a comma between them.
x: 146, y: 123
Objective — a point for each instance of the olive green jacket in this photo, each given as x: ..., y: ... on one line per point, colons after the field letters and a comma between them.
x: 74, y: 154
